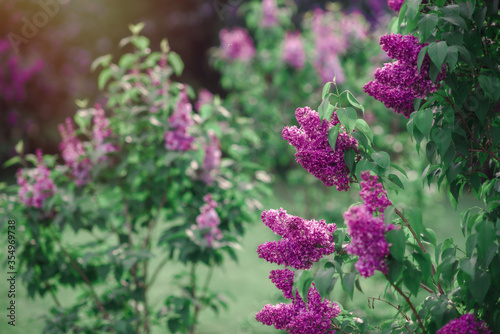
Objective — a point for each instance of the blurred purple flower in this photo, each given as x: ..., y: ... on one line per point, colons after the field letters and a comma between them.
x: 314, y: 153
x: 178, y: 139
x: 269, y: 13
x: 74, y: 154
x: 293, y: 50
x: 102, y: 131
x: 466, y: 324
x: 212, y: 159
x: 236, y: 44
x: 204, y: 97
x: 34, y: 194
x: 395, y: 4
x: 303, y: 241
x: 208, y: 221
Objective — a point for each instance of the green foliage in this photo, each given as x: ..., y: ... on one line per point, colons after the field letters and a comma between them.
x: 142, y: 202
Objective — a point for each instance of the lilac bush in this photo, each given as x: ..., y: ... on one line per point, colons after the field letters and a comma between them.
x: 466, y: 324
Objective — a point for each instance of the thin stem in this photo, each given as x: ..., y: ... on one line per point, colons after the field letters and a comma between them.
x: 433, y: 270
x: 158, y: 269
x: 394, y: 306
x: 54, y: 297
x: 410, y: 304
x: 193, y: 295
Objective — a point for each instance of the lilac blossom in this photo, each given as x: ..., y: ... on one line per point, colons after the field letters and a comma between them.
x: 303, y: 241
x: 293, y: 50
x: 366, y: 231
x: 236, y: 44
x: 466, y: 324
x: 34, y: 194
x: 205, y: 97
x: 313, y: 150
x: 283, y: 279
x: 212, y: 159
x: 208, y: 221
x: 74, y: 154
x: 373, y: 193
x: 315, y: 317
x: 178, y: 139
x: 399, y: 83
x: 102, y: 131
x: 269, y: 13
x: 395, y: 4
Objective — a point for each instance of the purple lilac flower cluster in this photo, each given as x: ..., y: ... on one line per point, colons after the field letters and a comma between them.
x: 205, y: 97
x: 73, y: 151
x: 303, y: 241
x: 102, y: 131
x: 283, y: 280
x: 367, y: 232
x: 333, y: 33
x: 212, y: 159
x: 178, y: 139
x: 208, y: 220
x: 399, y: 83
x: 14, y: 76
x: 395, y: 4
x: 269, y: 13
x: 74, y: 154
x: 313, y: 150
x: 236, y: 44
x: 466, y: 324
x: 293, y: 50
x: 299, y: 317
x: 34, y: 194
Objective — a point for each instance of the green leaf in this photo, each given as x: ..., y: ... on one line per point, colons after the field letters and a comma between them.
x: 412, y: 279
x: 19, y: 148
x: 349, y: 157
x: 325, y: 109
x: 140, y: 42
x: 382, y: 159
x: 442, y: 138
x: 415, y: 215
x: 395, y: 269
x: 302, y: 281
x: 326, y: 90
x: 479, y: 286
x: 437, y: 53
x: 136, y: 28
x: 468, y: 266
x: 127, y: 60
x: 362, y: 126
x: 175, y: 60
x: 347, y: 116
x: 348, y: 283
x: 397, y: 241
x: 104, y: 77
x: 466, y: 9
x: 395, y: 179
x: 423, y: 120
x: 332, y: 136
x: 421, y: 57
x: 491, y: 86
x: 399, y: 168
x: 12, y: 161
x: 426, y: 25
x: 354, y: 102
x: 430, y: 235
x: 452, y: 57
x: 457, y: 21
x: 485, y: 238
x: 323, y: 281
x: 102, y: 60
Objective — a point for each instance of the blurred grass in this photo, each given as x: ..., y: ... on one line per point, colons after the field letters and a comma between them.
x: 246, y: 283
